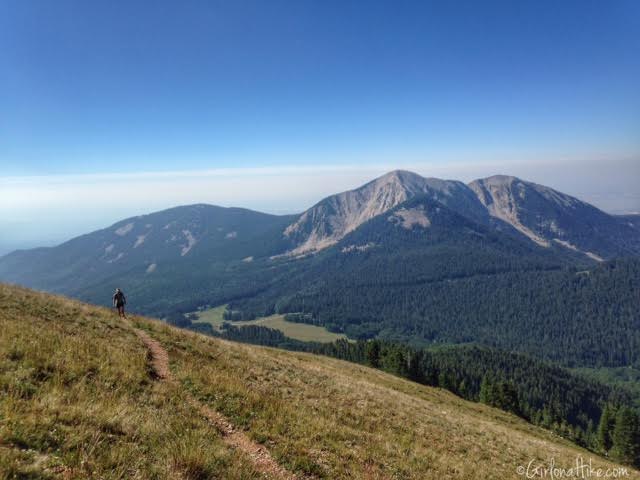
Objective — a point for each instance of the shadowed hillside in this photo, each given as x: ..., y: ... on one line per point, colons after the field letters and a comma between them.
x: 79, y: 400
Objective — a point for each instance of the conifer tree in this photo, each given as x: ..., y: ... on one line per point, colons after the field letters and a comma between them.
x: 373, y: 354
x: 626, y: 437
x: 486, y: 390
x: 605, y: 428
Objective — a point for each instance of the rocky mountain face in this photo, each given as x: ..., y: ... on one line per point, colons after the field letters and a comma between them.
x: 331, y: 219
x: 548, y: 217
x: 544, y: 216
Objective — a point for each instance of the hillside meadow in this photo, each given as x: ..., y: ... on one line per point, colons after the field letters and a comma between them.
x: 78, y: 401
x: 298, y: 331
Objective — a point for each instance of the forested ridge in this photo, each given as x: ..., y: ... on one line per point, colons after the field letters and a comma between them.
x: 573, y: 316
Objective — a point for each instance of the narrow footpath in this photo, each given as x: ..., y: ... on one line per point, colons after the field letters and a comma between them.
x: 238, y: 440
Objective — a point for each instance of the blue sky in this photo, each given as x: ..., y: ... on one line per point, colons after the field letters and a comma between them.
x: 113, y: 86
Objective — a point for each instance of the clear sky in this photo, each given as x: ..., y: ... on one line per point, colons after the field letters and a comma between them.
x: 449, y: 87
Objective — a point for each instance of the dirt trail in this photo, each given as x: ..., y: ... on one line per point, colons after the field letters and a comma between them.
x: 158, y: 356
x: 259, y: 455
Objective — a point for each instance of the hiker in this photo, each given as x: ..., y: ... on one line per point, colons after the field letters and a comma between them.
x: 119, y: 301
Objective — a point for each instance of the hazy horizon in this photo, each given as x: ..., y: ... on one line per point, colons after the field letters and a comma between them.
x: 47, y: 210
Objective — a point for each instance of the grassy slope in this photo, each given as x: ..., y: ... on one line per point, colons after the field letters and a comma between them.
x: 77, y: 402
x: 298, y: 331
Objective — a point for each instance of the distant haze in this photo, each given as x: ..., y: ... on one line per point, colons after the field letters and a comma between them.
x: 46, y: 210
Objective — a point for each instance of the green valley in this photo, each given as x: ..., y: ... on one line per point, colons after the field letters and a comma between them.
x: 297, y: 331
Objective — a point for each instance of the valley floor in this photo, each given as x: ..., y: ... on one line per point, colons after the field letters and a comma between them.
x: 82, y: 398
x: 298, y: 331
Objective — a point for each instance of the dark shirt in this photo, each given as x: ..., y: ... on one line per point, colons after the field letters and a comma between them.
x: 119, y: 299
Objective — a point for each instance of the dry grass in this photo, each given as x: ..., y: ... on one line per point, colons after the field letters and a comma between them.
x: 334, y: 419
x: 77, y: 402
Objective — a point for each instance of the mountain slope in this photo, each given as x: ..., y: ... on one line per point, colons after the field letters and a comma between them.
x: 630, y: 220
x: 147, y: 243
x: 575, y: 318
x: 331, y: 219
x: 78, y: 402
x: 547, y: 216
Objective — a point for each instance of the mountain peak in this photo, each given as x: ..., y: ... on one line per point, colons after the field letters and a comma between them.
x: 400, y: 175
x: 403, y: 180
x: 330, y: 220
x: 498, y: 180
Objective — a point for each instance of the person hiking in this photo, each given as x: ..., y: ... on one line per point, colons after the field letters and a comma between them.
x: 119, y: 301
